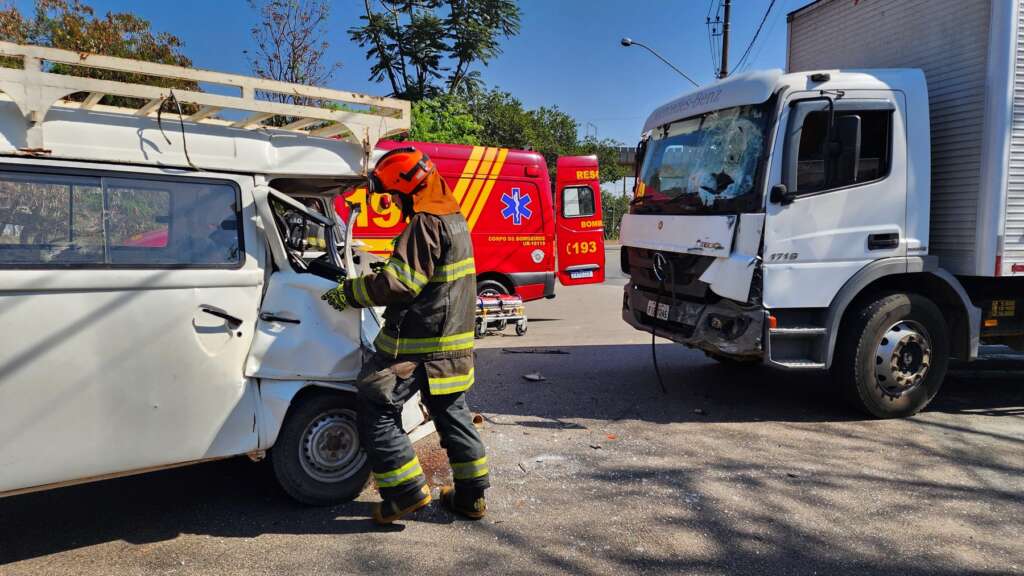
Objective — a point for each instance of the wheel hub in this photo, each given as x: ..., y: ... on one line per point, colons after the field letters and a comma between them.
x: 902, y: 358
x: 329, y: 447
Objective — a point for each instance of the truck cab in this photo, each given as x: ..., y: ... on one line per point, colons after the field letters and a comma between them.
x: 784, y: 218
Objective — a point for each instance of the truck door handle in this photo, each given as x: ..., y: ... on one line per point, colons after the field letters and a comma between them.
x: 886, y: 241
x: 233, y: 321
x: 268, y: 317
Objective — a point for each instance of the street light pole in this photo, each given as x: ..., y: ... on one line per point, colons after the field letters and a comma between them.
x: 627, y: 42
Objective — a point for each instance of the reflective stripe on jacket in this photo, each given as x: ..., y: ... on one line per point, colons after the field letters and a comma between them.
x: 428, y: 287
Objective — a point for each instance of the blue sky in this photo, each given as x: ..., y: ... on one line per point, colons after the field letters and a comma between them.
x: 567, y: 54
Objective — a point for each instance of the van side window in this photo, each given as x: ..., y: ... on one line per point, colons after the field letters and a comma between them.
x: 49, y: 220
x: 872, y: 163
x: 160, y: 223
x: 578, y: 201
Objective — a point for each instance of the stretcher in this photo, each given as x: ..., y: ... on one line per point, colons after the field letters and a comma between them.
x: 497, y: 312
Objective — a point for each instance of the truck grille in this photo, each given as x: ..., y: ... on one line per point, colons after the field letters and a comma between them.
x: 687, y: 270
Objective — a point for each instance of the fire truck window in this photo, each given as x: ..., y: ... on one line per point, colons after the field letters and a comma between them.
x: 578, y: 202
x: 812, y: 174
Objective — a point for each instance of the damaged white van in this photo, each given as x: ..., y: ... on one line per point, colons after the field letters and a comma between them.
x: 160, y: 274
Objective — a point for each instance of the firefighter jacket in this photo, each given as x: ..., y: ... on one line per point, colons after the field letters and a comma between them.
x: 428, y: 287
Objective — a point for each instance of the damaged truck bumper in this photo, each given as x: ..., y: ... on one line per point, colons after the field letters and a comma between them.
x: 722, y: 328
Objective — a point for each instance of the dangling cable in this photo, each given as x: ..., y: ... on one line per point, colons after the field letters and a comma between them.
x: 181, y: 123
x: 657, y: 304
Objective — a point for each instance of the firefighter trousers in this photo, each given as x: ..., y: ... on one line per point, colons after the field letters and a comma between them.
x: 385, y: 384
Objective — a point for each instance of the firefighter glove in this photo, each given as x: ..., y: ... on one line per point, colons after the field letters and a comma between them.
x: 336, y: 298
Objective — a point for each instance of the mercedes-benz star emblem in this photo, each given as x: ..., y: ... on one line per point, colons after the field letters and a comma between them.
x: 660, y: 266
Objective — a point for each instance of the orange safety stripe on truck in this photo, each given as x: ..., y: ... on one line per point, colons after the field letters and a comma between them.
x: 485, y: 195
x: 468, y: 172
x: 478, y: 181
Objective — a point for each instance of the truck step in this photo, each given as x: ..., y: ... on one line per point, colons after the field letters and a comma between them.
x: 799, y: 364
x: 798, y: 331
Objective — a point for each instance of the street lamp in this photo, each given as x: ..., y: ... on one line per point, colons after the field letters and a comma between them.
x: 627, y: 42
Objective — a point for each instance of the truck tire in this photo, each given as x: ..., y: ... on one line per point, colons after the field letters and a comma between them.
x: 317, y: 458
x: 892, y: 355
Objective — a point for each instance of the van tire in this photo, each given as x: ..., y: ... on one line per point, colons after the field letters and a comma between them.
x: 491, y: 288
x: 892, y: 355
x: 315, y: 419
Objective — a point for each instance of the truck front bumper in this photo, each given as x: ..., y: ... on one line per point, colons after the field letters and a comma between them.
x: 722, y: 328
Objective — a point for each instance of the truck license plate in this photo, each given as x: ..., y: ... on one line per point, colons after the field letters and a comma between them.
x: 663, y: 311
x: 652, y: 306
x: 576, y: 275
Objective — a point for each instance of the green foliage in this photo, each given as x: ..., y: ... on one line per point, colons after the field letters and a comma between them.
x: 444, y: 119
x: 497, y: 118
x: 414, y: 43
x: 74, y: 25
x: 613, y: 206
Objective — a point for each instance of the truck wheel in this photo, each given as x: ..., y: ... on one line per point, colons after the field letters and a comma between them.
x: 892, y: 355
x: 317, y: 457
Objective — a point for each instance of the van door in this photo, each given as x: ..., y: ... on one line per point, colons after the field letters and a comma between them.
x: 128, y: 304
x: 299, y: 336
x: 580, y: 228
x: 846, y: 204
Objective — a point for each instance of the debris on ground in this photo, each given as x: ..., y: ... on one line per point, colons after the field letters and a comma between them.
x: 612, y: 437
x: 700, y: 412
x: 533, y: 351
x: 596, y: 446
x: 534, y: 377
x: 478, y: 420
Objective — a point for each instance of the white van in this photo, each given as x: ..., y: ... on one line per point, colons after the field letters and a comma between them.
x: 160, y: 278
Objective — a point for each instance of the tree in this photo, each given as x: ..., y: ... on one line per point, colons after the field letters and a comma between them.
x: 444, y: 119
x: 424, y: 48
x: 291, y: 44
x: 73, y: 25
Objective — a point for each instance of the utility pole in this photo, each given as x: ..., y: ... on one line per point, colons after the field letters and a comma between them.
x: 725, y: 40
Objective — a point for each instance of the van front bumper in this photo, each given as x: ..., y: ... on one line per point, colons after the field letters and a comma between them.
x: 722, y: 328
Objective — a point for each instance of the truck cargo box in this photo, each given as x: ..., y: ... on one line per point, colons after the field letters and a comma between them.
x: 973, y: 59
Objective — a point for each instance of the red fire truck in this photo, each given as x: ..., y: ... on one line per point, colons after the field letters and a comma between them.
x: 523, y: 237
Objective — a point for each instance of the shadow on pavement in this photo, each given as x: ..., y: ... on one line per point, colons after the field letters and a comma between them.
x: 617, y: 382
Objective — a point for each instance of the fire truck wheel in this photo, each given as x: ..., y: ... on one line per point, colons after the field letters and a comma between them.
x: 491, y: 288
x: 892, y: 354
x: 317, y: 458
x: 521, y: 328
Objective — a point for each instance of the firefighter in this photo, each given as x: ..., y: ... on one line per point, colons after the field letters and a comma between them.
x: 428, y: 287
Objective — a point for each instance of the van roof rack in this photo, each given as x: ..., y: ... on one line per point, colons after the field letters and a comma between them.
x: 357, y: 118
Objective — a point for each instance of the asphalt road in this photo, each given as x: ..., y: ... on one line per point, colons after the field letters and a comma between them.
x: 595, y: 471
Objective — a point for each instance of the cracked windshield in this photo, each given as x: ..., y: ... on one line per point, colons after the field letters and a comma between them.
x: 707, y: 163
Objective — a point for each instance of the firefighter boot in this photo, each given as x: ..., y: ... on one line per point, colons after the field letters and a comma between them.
x: 468, y: 502
x: 388, y: 511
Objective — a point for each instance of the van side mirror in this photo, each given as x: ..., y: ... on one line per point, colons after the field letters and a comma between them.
x: 780, y: 195
x: 844, y: 150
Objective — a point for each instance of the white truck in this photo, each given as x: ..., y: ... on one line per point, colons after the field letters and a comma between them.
x: 161, y: 273
x: 862, y: 213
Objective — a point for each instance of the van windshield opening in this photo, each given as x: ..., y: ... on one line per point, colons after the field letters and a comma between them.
x: 705, y: 164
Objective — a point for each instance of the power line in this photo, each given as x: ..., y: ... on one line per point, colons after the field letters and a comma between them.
x: 760, y: 47
x: 754, y: 39
x: 712, y: 25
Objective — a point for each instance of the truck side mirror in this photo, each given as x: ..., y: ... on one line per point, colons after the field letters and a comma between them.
x: 844, y: 151
x: 780, y: 195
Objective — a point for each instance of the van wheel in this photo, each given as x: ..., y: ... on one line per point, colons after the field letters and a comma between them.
x: 491, y: 288
x: 892, y: 355
x: 317, y: 457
